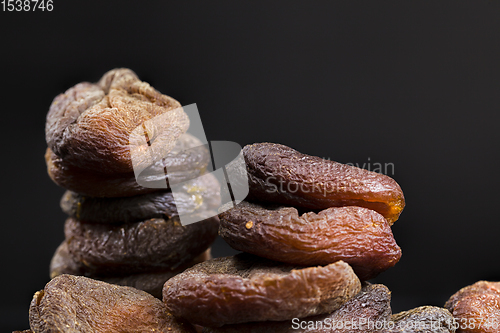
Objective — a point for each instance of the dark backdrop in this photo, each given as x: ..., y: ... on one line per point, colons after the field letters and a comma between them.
x: 412, y: 83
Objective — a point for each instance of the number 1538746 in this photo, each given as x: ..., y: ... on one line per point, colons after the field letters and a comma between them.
x: 27, y: 5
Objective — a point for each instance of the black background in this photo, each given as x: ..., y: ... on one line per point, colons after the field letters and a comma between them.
x: 413, y: 83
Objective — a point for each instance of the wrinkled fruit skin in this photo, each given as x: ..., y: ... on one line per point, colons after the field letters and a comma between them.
x: 200, y: 194
x: 151, y: 282
x: 92, y: 183
x: 245, y: 288
x: 359, y: 236
x: 90, y: 124
x: 372, y: 304
x: 424, y: 319
x: 475, y: 304
x: 153, y: 244
x: 79, y: 304
x: 187, y: 160
x: 122, y: 209
x: 280, y: 174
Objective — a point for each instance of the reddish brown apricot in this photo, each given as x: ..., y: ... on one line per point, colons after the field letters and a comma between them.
x: 153, y: 244
x: 151, y: 282
x: 277, y: 173
x: 245, y: 288
x: 79, y: 304
x: 476, y: 308
x: 90, y: 124
x: 424, y: 319
x: 359, y: 236
x: 367, y: 312
x: 187, y: 160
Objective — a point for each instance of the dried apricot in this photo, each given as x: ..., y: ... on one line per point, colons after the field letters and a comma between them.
x: 151, y: 282
x: 366, y: 311
x: 90, y: 124
x: 245, y: 288
x: 153, y: 244
x: 476, y: 308
x: 277, y: 173
x: 202, y: 193
x: 187, y: 160
x: 78, y: 304
x: 359, y: 236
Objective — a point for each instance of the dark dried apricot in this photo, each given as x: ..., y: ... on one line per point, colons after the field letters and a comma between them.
x: 245, y: 288
x: 78, y: 304
x: 124, y: 209
x: 366, y: 311
x: 154, y: 244
x: 424, y: 319
x: 359, y: 236
x: 151, y: 282
x: 187, y: 160
x: 200, y: 194
x: 90, y: 124
x: 476, y: 308
x: 277, y: 173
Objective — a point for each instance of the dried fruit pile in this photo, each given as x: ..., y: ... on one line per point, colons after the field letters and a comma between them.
x: 117, y: 230
x: 312, y: 231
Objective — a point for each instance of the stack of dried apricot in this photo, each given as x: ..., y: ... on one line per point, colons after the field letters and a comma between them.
x: 295, y: 265
x: 349, y: 212
x: 312, y: 230
x: 117, y: 230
